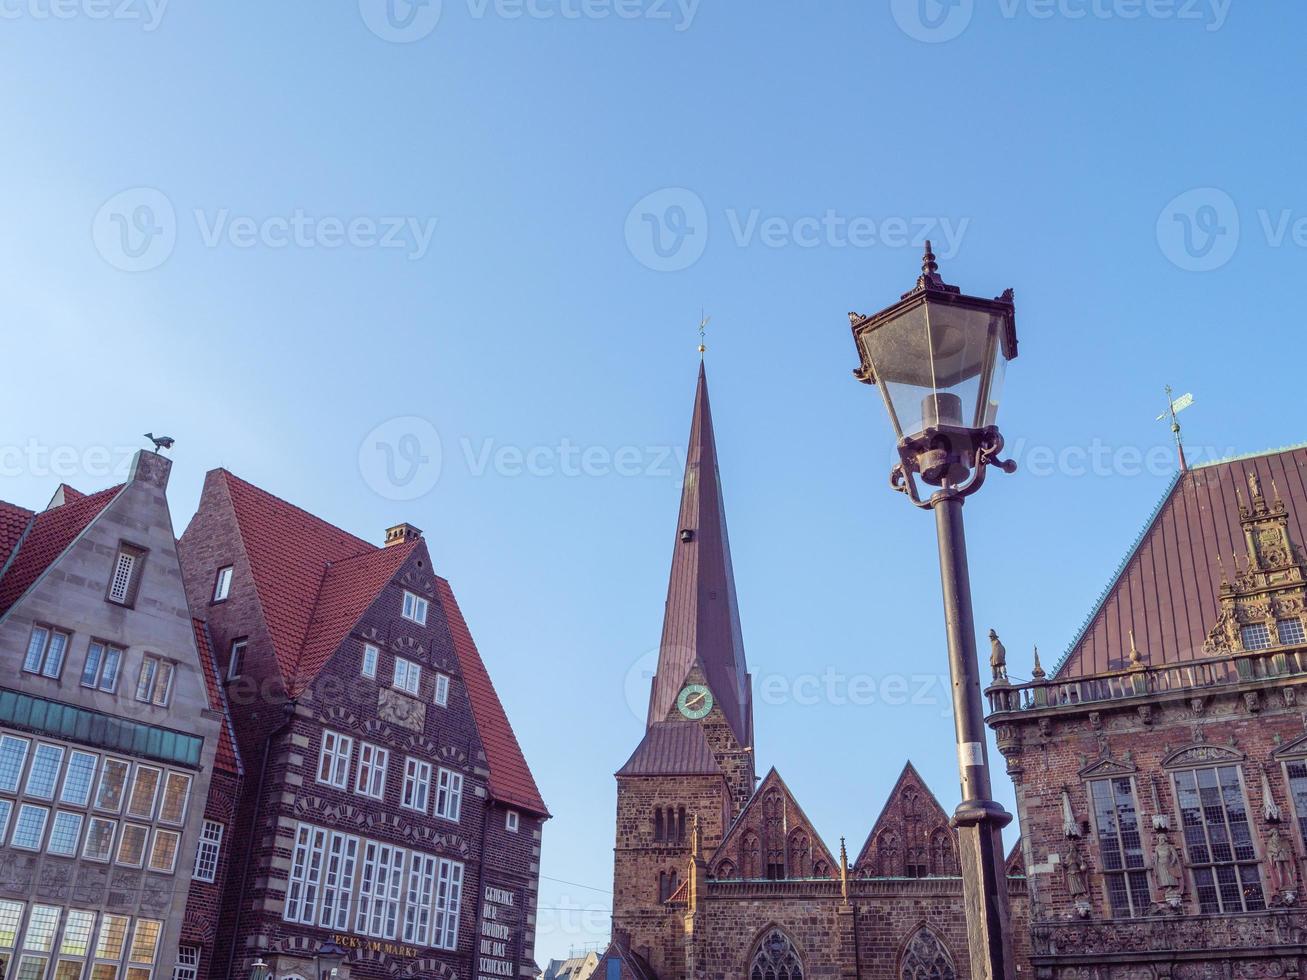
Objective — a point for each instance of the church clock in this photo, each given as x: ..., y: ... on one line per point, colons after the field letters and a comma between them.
x: 695, y: 701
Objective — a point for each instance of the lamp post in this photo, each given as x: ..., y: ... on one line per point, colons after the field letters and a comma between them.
x: 937, y: 357
x: 329, y: 957
x: 260, y: 970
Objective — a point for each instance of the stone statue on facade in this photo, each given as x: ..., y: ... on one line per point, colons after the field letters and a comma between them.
x: 1168, y: 870
x: 1076, y: 871
x: 1279, y: 860
x: 997, y: 658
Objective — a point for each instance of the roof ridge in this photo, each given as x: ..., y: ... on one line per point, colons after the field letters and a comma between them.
x: 1120, y: 571
x: 1242, y: 456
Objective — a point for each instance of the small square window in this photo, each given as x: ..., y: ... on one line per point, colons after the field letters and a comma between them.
x: 370, y: 657
x: 1291, y: 632
x: 442, y: 690
x: 126, y: 575
x: 415, y: 608
x: 1255, y: 636
x: 511, y: 821
x: 408, y: 676
x: 236, y: 660
x: 222, y: 584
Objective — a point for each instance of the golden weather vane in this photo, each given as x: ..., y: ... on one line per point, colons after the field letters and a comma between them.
x: 1174, y: 406
x: 703, y: 332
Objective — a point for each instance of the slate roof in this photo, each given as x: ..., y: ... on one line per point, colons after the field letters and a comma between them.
x: 228, y: 756
x: 510, y: 777
x: 1166, y: 588
x: 45, y: 538
x: 702, y: 619
x: 672, y: 748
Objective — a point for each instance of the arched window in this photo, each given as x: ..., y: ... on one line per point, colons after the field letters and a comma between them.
x: 942, y: 861
x: 775, y: 959
x: 658, y: 823
x: 680, y: 826
x: 726, y: 869
x: 887, y: 855
x: 926, y: 958
x: 749, y: 855
x: 798, y: 864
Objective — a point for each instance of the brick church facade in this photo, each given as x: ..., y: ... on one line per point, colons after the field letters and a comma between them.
x: 1161, y: 771
x: 718, y: 874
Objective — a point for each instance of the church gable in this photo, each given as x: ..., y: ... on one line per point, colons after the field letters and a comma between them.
x: 912, y: 837
x: 772, y: 839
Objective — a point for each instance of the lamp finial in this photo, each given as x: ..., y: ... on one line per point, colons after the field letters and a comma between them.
x: 930, y: 277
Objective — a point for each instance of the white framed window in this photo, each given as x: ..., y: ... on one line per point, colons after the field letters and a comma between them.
x: 333, y: 761
x: 370, y: 657
x: 145, y: 791
x: 417, y: 784
x: 176, y: 794
x: 1291, y: 632
x: 43, y: 776
x: 449, y: 795
x: 338, y: 881
x: 381, y: 889
x: 42, y: 927
x: 302, y: 889
x: 65, y: 834
x: 131, y: 846
x: 420, y: 900
x: 112, y: 940
x: 163, y: 852
x: 113, y: 786
x: 155, y: 682
x: 188, y: 963
x: 6, y: 811
x: 408, y: 676
x: 373, y: 760
x: 46, y: 649
x: 415, y: 608
x: 11, y: 915
x: 1256, y: 636
x: 222, y: 584
x: 13, y: 755
x: 78, y: 778
x: 99, y: 839
x: 29, y: 827
x: 126, y: 575
x: 145, y: 941
x: 100, y: 671
x: 442, y: 690
x: 236, y: 659
x: 512, y: 821
x: 79, y: 926
x: 449, y: 900
x: 207, y: 854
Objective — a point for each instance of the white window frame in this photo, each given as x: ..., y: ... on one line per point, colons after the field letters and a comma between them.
x: 407, y: 676
x: 107, y: 856
x: 153, y: 669
x: 84, y: 799
x: 209, y: 851
x: 125, y: 575
x: 442, y: 690
x: 417, y: 785
x: 25, y: 746
x: 135, y: 830
x: 65, y: 816
x: 44, y: 750
x: 512, y: 821
x: 373, y: 762
x: 415, y: 608
x: 338, y: 875
x: 103, y: 666
x: 449, y: 794
x: 44, y: 656
x: 236, y: 658
x: 45, y: 824
x: 334, y: 759
x: 449, y: 901
x: 222, y: 584
x: 371, y: 657
x: 161, y: 834
x: 188, y: 963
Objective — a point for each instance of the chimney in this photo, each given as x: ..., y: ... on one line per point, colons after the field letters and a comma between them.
x: 402, y: 534
x: 149, y: 467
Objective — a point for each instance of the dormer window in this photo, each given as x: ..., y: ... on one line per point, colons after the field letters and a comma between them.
x: 1255, y: 636
x: 126, y: 575
x: 415, y: 608
x: 222, y: 584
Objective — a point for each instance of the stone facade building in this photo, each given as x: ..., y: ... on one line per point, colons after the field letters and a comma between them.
x: 386, y: 805
x: 108, y: 734
x: 720, y: 875
x: 1161, y: 772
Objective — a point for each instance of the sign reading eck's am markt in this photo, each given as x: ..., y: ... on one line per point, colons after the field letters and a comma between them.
x: 497, y: 953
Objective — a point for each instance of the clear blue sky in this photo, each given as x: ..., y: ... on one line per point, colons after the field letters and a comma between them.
x: 794, y: 151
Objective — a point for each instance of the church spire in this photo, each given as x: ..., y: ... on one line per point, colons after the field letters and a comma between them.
x: 701, y: 624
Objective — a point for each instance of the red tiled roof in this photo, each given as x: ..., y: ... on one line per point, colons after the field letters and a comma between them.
x: 227, y: 758
x: 290, y: 552
x: 510, y: 777
x: 51, y: 531
x: 1166, y: 589
x: 13, y: 522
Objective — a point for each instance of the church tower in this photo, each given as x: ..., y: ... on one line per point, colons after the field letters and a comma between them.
x: 695, y: 761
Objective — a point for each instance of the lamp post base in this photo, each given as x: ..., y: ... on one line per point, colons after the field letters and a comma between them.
x: 979, y: 825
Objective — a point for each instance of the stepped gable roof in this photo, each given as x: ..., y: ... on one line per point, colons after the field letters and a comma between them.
x: 672, y: 748
x: 46, y: 537
x: 1165, y: 589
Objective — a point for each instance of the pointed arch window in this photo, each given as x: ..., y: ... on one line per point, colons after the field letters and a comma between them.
x: 749, y: 855
x: 926, y: 958
x: 776, y: 959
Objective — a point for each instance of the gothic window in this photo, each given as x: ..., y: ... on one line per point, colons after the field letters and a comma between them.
x: 926, y: 958
x: 798, y: 854
x: 887, y: 855
x: 749, y: 855
x: 680, y: 826
x: 668, y: 882
x: 776, y: 959
x: 773, y: 830
x: 658, y: 823
x: 914, y: 835
x: 726, y: 870
x: 941, y: 853
x: 821, y: 870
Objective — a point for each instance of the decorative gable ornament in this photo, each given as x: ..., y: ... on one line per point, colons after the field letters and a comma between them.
x: 1202, y: 754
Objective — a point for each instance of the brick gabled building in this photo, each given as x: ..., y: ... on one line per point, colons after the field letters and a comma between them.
x: 1161, y: 772
x: 108, y: 740
x: 717, y: 874
x: 386, y: 805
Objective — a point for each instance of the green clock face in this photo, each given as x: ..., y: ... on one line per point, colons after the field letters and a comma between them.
x: 695, y: 701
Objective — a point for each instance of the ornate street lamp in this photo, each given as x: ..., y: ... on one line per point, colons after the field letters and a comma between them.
x: 260, y: 970
x: 938, y: 358
x: 329, y: 958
